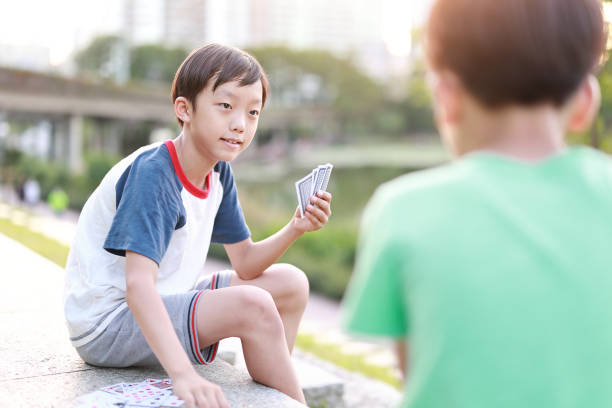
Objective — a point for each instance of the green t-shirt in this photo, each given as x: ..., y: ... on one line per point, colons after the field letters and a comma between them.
x: 499, y: 275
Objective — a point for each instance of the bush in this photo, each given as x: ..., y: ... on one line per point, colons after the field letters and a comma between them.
x: 50, y: 175
x: 326, y: 256
x: 96, y: 167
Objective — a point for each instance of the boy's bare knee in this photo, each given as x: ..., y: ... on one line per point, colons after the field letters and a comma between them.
x: 295, y: 282
x: 258, y: 310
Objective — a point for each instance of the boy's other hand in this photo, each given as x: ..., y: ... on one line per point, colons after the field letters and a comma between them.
x: 197, y: 392
x: 317, y: 213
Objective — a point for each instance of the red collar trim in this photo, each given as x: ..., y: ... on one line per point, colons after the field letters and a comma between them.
x: 198, y: 192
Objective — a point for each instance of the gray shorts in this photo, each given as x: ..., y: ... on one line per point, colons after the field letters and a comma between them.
x: 122, y: 343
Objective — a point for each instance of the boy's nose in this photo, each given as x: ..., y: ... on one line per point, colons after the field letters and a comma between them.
x: 238, y: 125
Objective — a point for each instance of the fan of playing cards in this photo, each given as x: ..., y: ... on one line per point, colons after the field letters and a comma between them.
x: 149, y: 393
x: 313, y: 182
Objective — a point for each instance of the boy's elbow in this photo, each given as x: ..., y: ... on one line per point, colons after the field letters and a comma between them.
x: 135, y: 286
x: 240, y: 256
x: 131, y: 292
x: 245, y: 273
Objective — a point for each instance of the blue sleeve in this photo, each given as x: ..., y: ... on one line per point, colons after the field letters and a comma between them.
x: 230, y: 226
x: 147, y: 212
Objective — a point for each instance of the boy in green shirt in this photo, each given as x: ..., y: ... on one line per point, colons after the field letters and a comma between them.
x: 493, y: 273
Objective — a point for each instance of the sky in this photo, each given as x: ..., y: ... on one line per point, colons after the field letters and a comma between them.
x: 62, y: 26
x: 65, y: 25
x: 59, y: 25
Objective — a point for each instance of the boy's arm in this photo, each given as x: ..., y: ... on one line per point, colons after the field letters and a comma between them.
x: 149, y: 311
x: 249, y: 259
x: 401, y: 350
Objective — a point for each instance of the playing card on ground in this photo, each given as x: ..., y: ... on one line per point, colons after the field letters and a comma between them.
x: 151, y: 392
x: 116, y: 389
x: 146, y: 395
x: 173, y: 401
x: 99, y: 399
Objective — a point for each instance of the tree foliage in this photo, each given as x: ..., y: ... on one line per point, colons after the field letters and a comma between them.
x: 100, y: 57
x: 318, y: 79
x: 105, y: 56
x: 360, y: 103
x: 156, y: 63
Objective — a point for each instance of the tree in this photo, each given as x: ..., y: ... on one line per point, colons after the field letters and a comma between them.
x: 600, y: 134
x: 101, y: 57
x: 108, y: 56
x: 319, y: 78
x: 156, y: 63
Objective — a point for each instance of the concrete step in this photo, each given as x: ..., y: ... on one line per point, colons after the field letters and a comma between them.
x: 321, y: 388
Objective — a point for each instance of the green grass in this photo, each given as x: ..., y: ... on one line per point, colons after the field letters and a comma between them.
x: 352, y: 362
x: 51, y: 249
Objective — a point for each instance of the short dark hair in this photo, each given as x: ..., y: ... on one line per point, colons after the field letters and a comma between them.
x: 517, y: 51
x: 224, y: 64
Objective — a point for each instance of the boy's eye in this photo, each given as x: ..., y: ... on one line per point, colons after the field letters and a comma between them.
x: 225, y: 105
x: 254, y: 112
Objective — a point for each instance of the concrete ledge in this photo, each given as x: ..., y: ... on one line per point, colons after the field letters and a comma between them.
x: 61, y: 389
x: 40, y: 368
x: 321, y: 388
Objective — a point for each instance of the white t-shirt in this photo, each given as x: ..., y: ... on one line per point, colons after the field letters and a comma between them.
x: 145, y: 204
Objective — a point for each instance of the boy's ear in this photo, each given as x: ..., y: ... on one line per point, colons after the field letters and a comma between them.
x: 447, y: 92
x: 585, y: 105
x: 182, y: 109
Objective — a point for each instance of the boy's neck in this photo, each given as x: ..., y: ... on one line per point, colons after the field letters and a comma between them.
x: 524, y: 133
x: 194, y: 165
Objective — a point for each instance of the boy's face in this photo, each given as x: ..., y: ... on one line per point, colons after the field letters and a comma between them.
x: 225, y: 120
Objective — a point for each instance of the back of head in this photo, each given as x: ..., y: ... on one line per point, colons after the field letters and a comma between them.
x: 219, y: 63
x: 517, y: 51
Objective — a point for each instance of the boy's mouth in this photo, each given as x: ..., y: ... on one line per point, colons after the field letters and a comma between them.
x: 231, y: 142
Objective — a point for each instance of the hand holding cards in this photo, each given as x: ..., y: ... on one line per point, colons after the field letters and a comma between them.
x: 311, y: 184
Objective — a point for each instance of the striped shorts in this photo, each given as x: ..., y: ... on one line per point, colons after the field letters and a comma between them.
x: 122, y: 343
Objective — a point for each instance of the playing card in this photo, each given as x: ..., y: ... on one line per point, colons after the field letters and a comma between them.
x: 116, y: 389
x: 146, y: 395
x: 328, y: 170
x: 312, y: 183
x: 303, y: 188
x: 99, y: 399
x: 152, y: 392
x: 162, y: 385
x: 173, y: 401
x: 320, y: 176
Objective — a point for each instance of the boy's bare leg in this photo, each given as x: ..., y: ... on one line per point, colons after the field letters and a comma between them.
x: 289, y: 288
x: 249, y: 313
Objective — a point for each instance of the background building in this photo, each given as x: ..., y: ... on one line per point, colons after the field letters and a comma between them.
x: 345, y: 27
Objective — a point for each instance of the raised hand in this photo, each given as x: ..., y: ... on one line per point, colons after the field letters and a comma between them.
x: 317, y: 213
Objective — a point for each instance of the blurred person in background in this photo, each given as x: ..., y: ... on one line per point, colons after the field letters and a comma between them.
x: 58, y: 200
x: 492, y: 273
x: 31, y: 192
